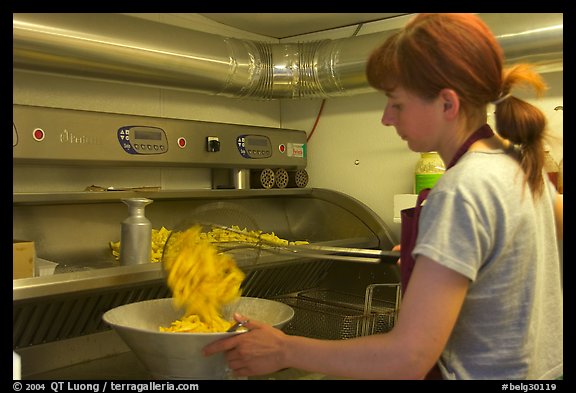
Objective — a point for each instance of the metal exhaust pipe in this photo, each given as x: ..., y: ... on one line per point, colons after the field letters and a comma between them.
x: 131, y: 50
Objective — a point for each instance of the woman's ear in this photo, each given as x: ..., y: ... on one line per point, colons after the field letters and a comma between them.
x: 451, y: 103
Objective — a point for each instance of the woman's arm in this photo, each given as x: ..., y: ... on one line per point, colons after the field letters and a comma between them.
x: 428, y: 313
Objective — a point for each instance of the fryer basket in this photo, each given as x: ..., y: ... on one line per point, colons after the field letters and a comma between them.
x: 334, y: 315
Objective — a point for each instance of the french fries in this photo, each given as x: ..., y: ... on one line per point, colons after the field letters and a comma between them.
x: 201, y: 279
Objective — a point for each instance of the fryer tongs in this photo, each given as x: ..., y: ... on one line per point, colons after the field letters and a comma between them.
x: 303, y: 250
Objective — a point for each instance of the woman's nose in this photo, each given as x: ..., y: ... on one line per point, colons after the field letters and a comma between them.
x: 387, y: 120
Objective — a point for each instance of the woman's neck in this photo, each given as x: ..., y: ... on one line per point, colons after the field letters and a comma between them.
x: 462, y: 129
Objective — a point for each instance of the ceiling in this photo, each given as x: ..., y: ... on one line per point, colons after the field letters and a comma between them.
x: 283, y: 25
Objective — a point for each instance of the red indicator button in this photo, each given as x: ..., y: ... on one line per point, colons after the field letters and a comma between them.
x: 181, y: 142
x: 38, y: 134
x: 282, y: 148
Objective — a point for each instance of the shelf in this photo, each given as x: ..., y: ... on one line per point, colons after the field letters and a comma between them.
x: 45, y: 198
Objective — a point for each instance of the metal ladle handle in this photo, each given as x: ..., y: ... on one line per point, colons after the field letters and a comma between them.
x: 237, y: 325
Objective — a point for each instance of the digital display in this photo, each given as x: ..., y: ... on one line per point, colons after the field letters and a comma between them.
x: 257, y: 141
x: 152, y: 135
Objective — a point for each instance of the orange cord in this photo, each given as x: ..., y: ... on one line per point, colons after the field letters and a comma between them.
x: 317, y: 119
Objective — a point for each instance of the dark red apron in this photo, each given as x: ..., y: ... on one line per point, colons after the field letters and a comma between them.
x: 408, y: 235
x: 409, y: 229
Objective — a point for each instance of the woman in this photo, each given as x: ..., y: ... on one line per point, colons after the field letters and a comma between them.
x: 485, y: 293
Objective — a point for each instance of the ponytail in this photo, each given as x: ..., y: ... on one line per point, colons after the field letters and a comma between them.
x: 522, y: 123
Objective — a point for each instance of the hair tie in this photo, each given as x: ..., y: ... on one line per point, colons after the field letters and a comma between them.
x: 501, y: 99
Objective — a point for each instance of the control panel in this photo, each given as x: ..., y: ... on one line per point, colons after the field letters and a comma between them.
x: 143, y: 140
x: 254, y: 146
x: 78, y: 137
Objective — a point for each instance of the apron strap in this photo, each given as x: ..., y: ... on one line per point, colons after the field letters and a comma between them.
x: 483, y: 132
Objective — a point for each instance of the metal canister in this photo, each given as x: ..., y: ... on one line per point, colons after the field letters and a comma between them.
x: 136, y: 233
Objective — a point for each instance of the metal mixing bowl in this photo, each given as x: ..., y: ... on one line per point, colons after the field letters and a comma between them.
x: 169, y: 355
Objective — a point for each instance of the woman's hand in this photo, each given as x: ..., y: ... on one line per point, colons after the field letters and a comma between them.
x: 397, y: 248
x: 258, y: 351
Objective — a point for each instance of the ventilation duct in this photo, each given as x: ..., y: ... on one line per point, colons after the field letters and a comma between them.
x: 131, y: 50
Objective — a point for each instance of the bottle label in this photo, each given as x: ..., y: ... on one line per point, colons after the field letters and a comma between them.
x: 426, y: 181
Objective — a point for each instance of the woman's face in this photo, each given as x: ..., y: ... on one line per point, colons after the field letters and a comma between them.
x: 417, y: 121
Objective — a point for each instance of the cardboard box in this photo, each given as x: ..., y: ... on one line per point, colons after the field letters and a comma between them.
x: 23, y: 259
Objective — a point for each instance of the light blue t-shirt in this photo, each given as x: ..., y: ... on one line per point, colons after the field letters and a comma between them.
x: 481, y: 221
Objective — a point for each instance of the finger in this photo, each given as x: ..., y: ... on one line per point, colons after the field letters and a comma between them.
x: 240, y: 318
x: 221, y: 345
x: 246, y: 322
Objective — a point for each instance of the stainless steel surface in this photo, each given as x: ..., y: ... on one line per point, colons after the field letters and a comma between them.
x: 55, y: 315
x: 81, y: 197
x: 136, y: 233
x: 241, y: 179
x: 77, y: 137
x: 126, y: 366
x: 237, y: 326
x: 298, y: 276
x: 348, y: 254
x: 132, y: 50
x: 75, y: 232
x: 282, y: 25
x: 168, y: 355
x: 84, y: 280
x: 321, y: 285
x: 248, y: 237
x: 295, y: 215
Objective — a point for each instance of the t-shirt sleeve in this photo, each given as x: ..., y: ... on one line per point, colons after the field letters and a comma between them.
x: 453, y: 232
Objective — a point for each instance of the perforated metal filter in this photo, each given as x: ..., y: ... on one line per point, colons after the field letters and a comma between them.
x: 298, y: 178
x: 262, y: 178
x: 281, y: 178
